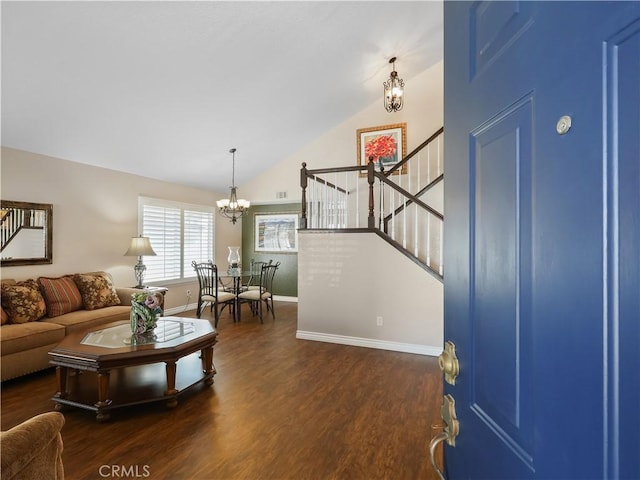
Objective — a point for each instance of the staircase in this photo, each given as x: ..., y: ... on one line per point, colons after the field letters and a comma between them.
x: 402, y: 205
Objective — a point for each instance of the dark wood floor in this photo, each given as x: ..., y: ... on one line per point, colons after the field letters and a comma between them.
x: 280, y: 408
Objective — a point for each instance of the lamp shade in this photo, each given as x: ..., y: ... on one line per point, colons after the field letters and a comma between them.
x: 139, y: 247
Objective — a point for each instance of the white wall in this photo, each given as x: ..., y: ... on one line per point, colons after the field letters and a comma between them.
x: 422, y: 112
x: 345, y: 281
x: 95, y: 214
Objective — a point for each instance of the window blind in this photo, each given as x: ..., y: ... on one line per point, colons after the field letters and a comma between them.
x: 179, y: 233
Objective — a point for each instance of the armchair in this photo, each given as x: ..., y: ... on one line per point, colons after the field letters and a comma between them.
x: 33, y: 449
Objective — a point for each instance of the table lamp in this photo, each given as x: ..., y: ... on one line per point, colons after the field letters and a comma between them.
x: 139, y: 246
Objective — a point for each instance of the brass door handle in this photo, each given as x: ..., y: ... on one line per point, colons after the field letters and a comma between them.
x: 451, y: 430
x: 448, y: 362
x: 433, y: 444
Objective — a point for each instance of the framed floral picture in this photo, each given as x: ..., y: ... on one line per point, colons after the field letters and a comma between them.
x: 387, y: 144
x: 276, y: 232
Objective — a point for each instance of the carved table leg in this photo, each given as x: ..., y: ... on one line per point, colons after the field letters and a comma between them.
x: 62, y: 375
x: 103, y: 401
x: 171, y: 384
x: 207, y: 365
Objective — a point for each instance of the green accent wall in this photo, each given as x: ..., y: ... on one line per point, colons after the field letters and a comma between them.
x: 286, y: 279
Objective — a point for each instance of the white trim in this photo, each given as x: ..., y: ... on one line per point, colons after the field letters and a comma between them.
x: 176, y: 311
x: 370, y: 343
x: 282, y: 298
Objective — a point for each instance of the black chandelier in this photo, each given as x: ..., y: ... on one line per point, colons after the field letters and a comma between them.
x: 232, y: 207
x: 393, y: 90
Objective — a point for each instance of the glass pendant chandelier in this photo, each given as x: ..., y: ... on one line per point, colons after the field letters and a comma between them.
x: 393, y: 90
x: 232, y: 207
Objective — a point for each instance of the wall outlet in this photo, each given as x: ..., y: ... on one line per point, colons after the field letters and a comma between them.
x: 188, y: 293
x: 379, y: 321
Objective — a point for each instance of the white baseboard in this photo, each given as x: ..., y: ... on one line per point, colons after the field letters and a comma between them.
x: 177, y: 310
x: 370, y: 343
x: 282, y: 298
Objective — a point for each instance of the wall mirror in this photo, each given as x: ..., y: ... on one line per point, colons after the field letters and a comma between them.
x: 26, y: 233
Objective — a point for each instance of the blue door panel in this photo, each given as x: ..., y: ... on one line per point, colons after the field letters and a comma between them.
x: 623, y: 314
x: 493, y: 27
x: 542, y: 238
x: 501, y: 389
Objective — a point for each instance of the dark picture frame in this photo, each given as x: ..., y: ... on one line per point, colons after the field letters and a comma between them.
x: 27, y: 233
x: 276, y: 232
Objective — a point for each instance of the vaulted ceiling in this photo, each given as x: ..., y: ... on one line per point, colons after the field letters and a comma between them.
x: 164, y: 89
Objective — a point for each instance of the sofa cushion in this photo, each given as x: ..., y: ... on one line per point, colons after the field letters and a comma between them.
x: 4, y: 318
x: 86, y: 319
x: 96, y: 289
x: 23, y: 301
x: 61, y: 295
x: 26, y: 336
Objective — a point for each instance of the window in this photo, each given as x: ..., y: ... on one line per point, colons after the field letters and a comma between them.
x: 179, y: 233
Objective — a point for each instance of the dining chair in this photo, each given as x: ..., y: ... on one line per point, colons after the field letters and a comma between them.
x: 207, y: 273
x: 254, y: 279
x: 264, y: 293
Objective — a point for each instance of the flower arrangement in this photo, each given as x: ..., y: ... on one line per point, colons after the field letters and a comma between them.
x: 380, y: 146
x: 145, y: 310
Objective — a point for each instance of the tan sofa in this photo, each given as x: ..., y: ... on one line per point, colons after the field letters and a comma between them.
x: 38, y: 313
x: 33, y: 449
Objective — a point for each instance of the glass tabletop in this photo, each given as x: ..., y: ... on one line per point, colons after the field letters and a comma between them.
x: 237, y: 273
x: 115, y: 337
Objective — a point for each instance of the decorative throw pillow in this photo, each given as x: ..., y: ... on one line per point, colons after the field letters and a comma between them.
x: 4, y: 318
x: 96, y: 289
x: 23, y: 301
x: 61, y: 295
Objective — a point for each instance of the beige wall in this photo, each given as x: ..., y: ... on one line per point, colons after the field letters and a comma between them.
x: 95, y: 209
x: 346, y: 281
x: 95, y: 214
x: 422, y: 112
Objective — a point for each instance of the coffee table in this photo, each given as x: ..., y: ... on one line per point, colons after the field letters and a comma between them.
x: 126, y: 369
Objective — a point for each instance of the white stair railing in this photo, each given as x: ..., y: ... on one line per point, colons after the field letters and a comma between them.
x: 393, y: 203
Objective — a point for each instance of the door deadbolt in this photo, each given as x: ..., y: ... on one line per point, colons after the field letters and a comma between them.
x: 564, y: 125
x: 449, y: 363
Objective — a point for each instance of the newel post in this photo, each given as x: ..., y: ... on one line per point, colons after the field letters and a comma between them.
x: 371, y: 221
x: 303, y: 185
x: 381, y: 202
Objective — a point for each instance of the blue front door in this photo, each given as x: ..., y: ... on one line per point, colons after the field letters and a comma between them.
x: 542, y: 235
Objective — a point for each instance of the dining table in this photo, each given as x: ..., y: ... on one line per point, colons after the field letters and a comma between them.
x: 233, y: 284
